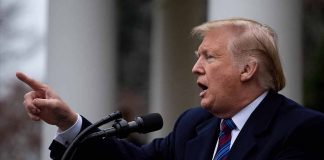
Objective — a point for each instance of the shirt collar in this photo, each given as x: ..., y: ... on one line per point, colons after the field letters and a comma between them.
x: 241, y: 117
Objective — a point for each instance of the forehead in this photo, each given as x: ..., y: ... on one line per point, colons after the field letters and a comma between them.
x: 216, y: 39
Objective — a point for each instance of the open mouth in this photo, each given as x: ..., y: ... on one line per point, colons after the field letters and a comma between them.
x: 202, y: 86
x: 204, y: 89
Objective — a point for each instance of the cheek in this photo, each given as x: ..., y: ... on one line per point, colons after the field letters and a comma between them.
x: 217, y: 76
x: 223, y: 80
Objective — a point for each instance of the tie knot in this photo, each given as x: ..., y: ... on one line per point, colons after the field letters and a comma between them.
x: 227, y: 125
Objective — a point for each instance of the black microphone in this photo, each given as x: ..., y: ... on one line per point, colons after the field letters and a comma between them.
x: 122, y: 128
x: 69, y: 152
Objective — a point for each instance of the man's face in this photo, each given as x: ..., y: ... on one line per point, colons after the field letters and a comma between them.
x: 217, y: 74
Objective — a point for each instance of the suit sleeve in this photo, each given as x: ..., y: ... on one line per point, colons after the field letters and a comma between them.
x: 306, y: 141
x: 120, y: 149
x: 112, y: 148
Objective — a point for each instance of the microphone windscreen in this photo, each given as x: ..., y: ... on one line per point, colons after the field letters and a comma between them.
x: 151, y: 122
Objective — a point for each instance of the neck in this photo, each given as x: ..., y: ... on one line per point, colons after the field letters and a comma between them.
x: 244, y: 98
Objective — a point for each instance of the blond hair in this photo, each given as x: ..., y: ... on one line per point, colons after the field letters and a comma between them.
x: 252, y: 39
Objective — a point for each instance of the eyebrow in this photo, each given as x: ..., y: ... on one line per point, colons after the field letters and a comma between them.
x: 196, y: 53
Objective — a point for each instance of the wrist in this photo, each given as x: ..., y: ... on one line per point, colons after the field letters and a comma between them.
x: 67, y: 122
x: 66, y: 137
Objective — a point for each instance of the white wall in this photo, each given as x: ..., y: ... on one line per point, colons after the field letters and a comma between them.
x: 81, y: 58
x: 173, y: 87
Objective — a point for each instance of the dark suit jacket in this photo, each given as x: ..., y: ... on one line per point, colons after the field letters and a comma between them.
x: 278, y: 129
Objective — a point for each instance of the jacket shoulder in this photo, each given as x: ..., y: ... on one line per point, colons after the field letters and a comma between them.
x: 190, y: 120
x: 194, y: 116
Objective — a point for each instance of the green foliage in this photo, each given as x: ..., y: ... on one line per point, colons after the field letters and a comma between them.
x: 313, y: 44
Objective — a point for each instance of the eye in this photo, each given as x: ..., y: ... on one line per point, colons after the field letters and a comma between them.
x: 205, y: 55
x: 209, y: 57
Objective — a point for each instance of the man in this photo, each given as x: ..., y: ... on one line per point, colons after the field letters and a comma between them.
x: 241, y: 116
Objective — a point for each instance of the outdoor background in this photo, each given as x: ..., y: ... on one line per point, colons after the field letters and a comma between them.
x: 141, y: 45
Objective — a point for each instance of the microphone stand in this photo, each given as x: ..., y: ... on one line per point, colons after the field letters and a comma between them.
x: 72, y: 146
x: 118, y: 129
x: 121, y: 128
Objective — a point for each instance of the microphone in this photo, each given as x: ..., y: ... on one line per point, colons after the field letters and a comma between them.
x: 76, y: 141
x: 122, y: 128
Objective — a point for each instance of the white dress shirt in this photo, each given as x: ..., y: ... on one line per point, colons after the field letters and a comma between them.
x: 241, y: 117
x: 66, y: 137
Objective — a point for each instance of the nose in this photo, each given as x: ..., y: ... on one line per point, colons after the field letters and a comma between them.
x: 198, y: 68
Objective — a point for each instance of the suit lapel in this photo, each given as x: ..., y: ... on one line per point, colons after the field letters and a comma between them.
x: 255, y: 128
x: 244, y: 143
x: 202, y: 146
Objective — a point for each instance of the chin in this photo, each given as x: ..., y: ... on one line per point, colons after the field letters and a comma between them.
x: 206, y: 106
x: 210, y: 108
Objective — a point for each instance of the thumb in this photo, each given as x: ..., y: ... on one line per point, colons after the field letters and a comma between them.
x: 50, y: 106
x: 42, y: 103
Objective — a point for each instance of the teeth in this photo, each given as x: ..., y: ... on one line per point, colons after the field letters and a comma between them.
x: 204, y: 89
x: 202, y: 93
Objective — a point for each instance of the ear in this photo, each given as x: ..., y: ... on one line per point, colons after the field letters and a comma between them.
x: 249, y: 69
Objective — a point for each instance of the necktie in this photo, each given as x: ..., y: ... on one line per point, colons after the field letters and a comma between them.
x: 224, y: 139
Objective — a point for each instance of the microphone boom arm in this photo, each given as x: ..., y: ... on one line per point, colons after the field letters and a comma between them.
x: 72, y: 146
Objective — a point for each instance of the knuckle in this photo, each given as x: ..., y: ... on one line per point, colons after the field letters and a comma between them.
x: 29, y: 108
x: 55, y: 104
x: 44, y: 87
x: 29, y: 95
x: 25, y: 103
x: 26, y: 95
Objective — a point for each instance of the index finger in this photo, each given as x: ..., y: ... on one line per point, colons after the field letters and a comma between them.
x: 36, y: 85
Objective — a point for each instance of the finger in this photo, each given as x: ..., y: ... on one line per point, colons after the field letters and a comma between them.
x: 31, y: 108
x: 34, y: 117
x: 42, y: 103
x: 36, y: 85
x: 32, y: 112
x: 28, y: 102
x: 30, y: 96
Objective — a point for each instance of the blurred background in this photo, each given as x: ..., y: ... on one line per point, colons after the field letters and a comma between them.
x: 134, y: 56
